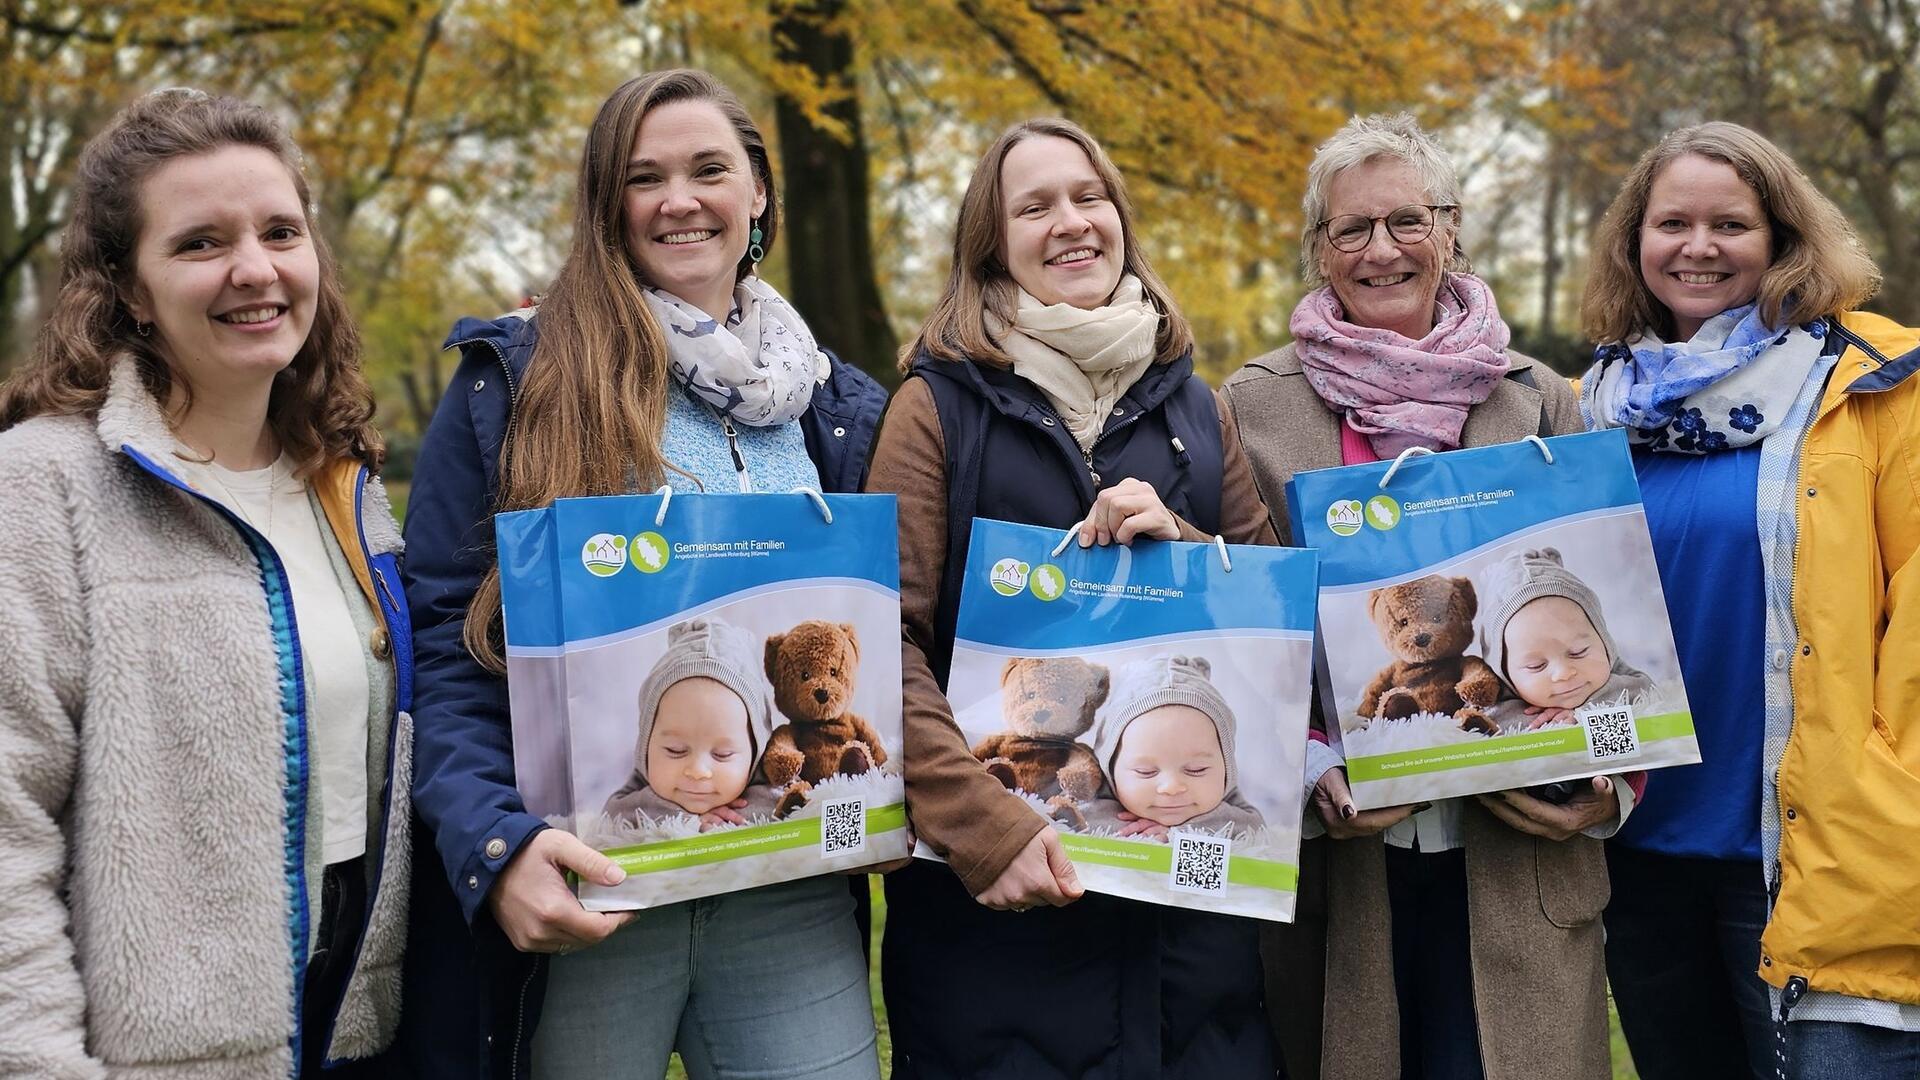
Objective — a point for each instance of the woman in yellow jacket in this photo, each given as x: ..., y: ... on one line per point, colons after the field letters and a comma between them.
x: 1763, y: 914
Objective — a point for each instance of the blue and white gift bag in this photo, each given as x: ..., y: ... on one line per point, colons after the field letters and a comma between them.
x: 1490, y: 619
x: 707, y: 687
x: 1150, y: 701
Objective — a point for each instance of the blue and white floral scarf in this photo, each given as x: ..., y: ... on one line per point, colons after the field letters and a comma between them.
x: 1730, y: 386
x: 758, y: 369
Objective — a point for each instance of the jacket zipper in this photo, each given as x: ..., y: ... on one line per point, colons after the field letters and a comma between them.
x: 739, y: 459
x: 520, y: 1018
x: 1086, y: 453
x: 513, y: 391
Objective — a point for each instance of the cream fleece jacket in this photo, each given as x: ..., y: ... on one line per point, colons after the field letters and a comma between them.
x: 145, y: 890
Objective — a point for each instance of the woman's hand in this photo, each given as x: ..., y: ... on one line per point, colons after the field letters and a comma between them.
x: 1040, y: 874
x: 1139, y: 826
x: 724, y: 815
x: 1125, y: 511
x: 533, y: 905
x: 1334, y: 801
x: 1593, y: 803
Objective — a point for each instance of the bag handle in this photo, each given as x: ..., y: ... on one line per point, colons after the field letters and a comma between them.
x: 665, y: 492
x: 1219, y: 545
x: 1418, y: 451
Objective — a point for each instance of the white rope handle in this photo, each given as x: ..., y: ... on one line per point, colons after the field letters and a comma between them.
x: 1542, y: 444
x: 1220, y: 545
x: 666, y: 498
x: 1072, y: 532
x: 1401, y: 459
x: 818, y: 502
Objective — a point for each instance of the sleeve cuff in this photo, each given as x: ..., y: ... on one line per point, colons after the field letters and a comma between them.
x: 498, y: 845
x: 1606, y: 829
x: 1320, y: 758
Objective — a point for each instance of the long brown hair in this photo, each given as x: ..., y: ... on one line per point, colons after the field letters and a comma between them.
x: 956, y: 329
x: 320, y: 408
x: 1819, y: 265
x: 594, y: 404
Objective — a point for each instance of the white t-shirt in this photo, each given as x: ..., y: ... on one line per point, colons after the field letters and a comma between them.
x: 331, y: 653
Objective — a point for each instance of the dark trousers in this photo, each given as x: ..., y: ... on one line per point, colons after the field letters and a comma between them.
x: 343, y: 912
x: 1683, y: 946
x: 1433, y: 965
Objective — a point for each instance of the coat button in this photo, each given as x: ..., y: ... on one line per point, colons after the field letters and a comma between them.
x: 479, y: 385
x: 382, y: 643
x: 839, y: 433
x: 1047, y: 420
x: 472, y: 882
x: 1811, y: 492
x: 1118, y: 411
x: 1806, y: 650
x: 1791, y: 816
x: 496, y: 847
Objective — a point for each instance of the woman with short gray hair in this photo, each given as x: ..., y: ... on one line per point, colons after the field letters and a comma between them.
x: 1416, y: 915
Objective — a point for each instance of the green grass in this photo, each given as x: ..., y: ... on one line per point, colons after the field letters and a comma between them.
x: 1622, y: 1063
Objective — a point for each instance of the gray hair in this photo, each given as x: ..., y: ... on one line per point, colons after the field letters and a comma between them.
x: 1362, y: 139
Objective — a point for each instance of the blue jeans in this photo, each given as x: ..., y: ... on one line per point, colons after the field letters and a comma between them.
x: 1822, y: 1049
x: 770, y: 982
x: 1683, y: 949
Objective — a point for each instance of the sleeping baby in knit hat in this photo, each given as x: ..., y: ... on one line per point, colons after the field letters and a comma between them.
x: 1165, y: 742
x: 704, y: 718
x: 1544, y: 635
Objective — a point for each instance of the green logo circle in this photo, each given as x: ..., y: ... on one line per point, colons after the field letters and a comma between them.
x: 1008, y: 577
x: 1047, y: 582
x: 1343, y: 517
x: 650, y: 553
x: 604, y: 555
x: 1383, y: 512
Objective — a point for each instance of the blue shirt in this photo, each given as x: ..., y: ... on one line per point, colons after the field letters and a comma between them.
x: 695, y: 440
x: 1701, y: 511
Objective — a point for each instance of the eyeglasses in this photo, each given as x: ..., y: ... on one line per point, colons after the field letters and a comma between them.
x: 1407, y: 225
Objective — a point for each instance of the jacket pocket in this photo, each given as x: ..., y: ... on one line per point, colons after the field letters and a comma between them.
x: 1572, y: 877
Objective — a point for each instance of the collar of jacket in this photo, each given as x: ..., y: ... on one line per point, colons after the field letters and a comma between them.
x: 1877, y: 338
x: 1015, y: 397
x: 131, y: 423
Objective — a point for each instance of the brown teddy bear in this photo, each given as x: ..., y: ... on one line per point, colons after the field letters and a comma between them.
x: 1047, y: 704
x: 1427, y: 625
x: 811, y: 668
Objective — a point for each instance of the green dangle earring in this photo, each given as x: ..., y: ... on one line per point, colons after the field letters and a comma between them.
x: 754, y: 251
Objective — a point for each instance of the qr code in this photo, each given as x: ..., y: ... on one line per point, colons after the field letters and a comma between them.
x: 1199, y: 863
x: 1610, y: 733
x: 843, y: 827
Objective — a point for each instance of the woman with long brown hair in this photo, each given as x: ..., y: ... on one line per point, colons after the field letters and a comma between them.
x: 203, y: 748
x: 1053, y: 384
x: 658, y: 356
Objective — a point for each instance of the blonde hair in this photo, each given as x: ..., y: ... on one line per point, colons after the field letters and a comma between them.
x: 1819, y: 266
x: 956, y: 328
x: 320, y: 407
x: 593, y: 405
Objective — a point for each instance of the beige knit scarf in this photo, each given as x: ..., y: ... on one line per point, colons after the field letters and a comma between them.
x: 1083, y: 360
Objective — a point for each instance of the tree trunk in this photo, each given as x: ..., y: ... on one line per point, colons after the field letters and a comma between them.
x: 824, y: 218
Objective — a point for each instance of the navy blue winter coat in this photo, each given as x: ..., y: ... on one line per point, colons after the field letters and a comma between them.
x: 472, y: 1001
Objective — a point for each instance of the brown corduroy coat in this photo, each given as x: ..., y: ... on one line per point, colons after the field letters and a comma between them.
x: 1539, y: 978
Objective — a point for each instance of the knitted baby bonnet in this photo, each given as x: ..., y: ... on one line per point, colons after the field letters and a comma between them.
x: 709, y: 648
x: 1164, y: 680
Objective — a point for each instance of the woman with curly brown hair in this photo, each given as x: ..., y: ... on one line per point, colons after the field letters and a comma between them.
x: 203, y: 749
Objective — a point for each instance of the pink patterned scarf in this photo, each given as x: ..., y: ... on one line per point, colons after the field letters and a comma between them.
x: 1397, y: 391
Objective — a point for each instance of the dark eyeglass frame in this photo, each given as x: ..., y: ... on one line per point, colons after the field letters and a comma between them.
x: 1387, y: 220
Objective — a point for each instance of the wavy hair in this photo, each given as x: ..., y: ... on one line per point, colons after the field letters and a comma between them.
x: 1396, y: 137
x: 320, y: 408
x: 1819, y: 266
x: 593, y: 406
x: 956, y: 328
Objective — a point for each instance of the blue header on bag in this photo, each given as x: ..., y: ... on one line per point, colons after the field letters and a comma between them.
x: 623, y: 574
x: 1445, y: 506
x: 1154, y: 588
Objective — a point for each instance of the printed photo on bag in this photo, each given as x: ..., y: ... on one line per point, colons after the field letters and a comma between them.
x: 1492, y: 619
x: 1149, y: 702
x: 711, y: 695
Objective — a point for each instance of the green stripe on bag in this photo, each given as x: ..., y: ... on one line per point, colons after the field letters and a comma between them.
x: 740, y: 843
x: 1158, y: 859
x: 1532, y: 744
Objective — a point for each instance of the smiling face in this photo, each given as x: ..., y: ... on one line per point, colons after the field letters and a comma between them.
x: 699, y: 754
x: 691, y: 198
x: 1386, y: 284
x: 1061, y: 238
x: 1705, y: 241
x: 224, y: 268
x: 1555, y: 658
x: 1169, y: 768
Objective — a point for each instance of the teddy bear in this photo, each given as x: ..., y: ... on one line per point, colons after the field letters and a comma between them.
x: 1047, y: 704
x: 811, y: 668
x: 1427, y: 625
